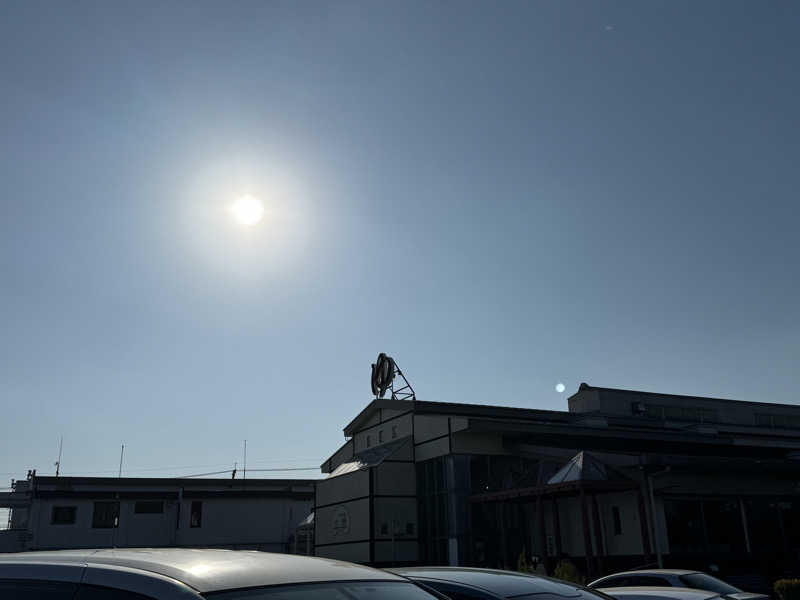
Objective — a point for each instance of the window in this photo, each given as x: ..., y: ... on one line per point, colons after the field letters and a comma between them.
x: 394, y: 431
x: 63, y: 515
x: 409, y: 529
x: 94, y: 592
x: 701, y: 581
x: 332, y: 590
x: 196, y: 514
x: 380, y: 436
x: 617, y: 520
x: 369, y: 441
x: 106, y: 515
x: 37, y: 590
x: 458, y: 592
x: 641, y: 580
x: 148, y: 507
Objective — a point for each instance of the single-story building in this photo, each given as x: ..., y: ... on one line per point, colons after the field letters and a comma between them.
x: 102, y: 512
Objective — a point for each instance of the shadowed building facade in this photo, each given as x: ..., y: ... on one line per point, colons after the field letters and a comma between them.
x: 622, y: 479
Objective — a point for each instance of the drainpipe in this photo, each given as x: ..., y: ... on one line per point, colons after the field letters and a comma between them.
x: 656, y: 539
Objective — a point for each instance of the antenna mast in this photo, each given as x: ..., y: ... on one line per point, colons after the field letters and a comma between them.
x: 58, y: 462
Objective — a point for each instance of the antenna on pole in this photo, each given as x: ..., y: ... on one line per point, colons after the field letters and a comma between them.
x: 121, y: 454
x: 58, y: 462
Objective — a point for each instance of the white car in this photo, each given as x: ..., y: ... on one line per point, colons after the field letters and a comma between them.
x: 658, y: 593
x: 189, y: 574
x: 679, y: 578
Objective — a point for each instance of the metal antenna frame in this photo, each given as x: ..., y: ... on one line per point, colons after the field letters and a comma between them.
x: 404, y: 392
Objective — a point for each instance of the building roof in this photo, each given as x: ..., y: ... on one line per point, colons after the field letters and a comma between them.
x: 585, y: 467
x: 184, y: 482
x: 371, y: 457
x: 211, y: 570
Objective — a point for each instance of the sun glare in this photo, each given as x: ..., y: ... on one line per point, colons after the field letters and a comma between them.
x: 248, y: 210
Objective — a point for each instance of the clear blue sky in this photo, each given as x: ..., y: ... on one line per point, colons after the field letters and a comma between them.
x: 501, y: 195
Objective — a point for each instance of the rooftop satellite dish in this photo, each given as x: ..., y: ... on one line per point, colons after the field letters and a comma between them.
x: 384, y: 371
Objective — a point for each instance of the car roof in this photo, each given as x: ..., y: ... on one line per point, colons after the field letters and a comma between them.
x: 655, y: 572
x: 675, y: 593
x: 501, y: 583
x: 208, y: 570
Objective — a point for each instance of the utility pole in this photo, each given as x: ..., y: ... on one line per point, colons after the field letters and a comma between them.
x: 121, y: 454
x: 244, y: 466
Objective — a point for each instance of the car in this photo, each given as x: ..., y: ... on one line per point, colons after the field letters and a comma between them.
x: 680, y: 578
x: 658, y: 593
x: 463, y: 583
x: 194, y: 574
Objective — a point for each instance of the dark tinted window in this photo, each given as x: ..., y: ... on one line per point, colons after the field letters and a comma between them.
x: 617, y: 520
x: 458, y: 592
x: 36, y: 590
x: 148, y: 507
x: 106, y: 515
x: 647, y: 580
x: 63, y: 515
x: 93, y: 592
x: 502, y: 584
x: 701, y: 581
x: 196, y: 514
x: 355, y: 590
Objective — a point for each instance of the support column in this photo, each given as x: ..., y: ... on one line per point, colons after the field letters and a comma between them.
x: 542, y: 530
x: 557, y: 528
x: 598, y: 536
x: 587, y: 536
x: 648, y: 555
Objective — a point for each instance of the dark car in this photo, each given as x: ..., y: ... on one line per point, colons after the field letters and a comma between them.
x: 461, y: 583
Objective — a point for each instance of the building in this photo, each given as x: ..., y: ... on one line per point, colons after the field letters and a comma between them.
x: 98, y: 512
x: 622, y: 479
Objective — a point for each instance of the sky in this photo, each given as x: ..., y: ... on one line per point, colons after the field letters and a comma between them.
x: 502, y: 196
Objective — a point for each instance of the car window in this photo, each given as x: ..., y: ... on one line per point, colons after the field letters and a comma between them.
x: 614, y: 582
x: 701, y: 581
x: 96, y: 592
x: 36, y: 590
x: 505, y: 584
x: 648, y: 580
x: 348, y: 590
x: 459, y: 592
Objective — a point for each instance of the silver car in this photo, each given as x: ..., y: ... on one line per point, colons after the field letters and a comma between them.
x: 675, y: 578
x: 464, y: 583
x: 658, y: 593
x: 189, y: 574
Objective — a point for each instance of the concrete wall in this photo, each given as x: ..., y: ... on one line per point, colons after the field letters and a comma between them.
x: 390, y: 431
x: 265, y: 523
x: 732, y: 412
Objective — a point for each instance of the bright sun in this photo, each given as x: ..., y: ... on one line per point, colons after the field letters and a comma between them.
x: 248, y: 210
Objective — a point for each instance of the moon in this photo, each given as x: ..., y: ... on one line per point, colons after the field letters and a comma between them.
x: 560, y: 387
x: 248, y: 210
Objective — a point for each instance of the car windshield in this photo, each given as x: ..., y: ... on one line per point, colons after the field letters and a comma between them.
x: 348, y: 590
x: 701, y: 581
